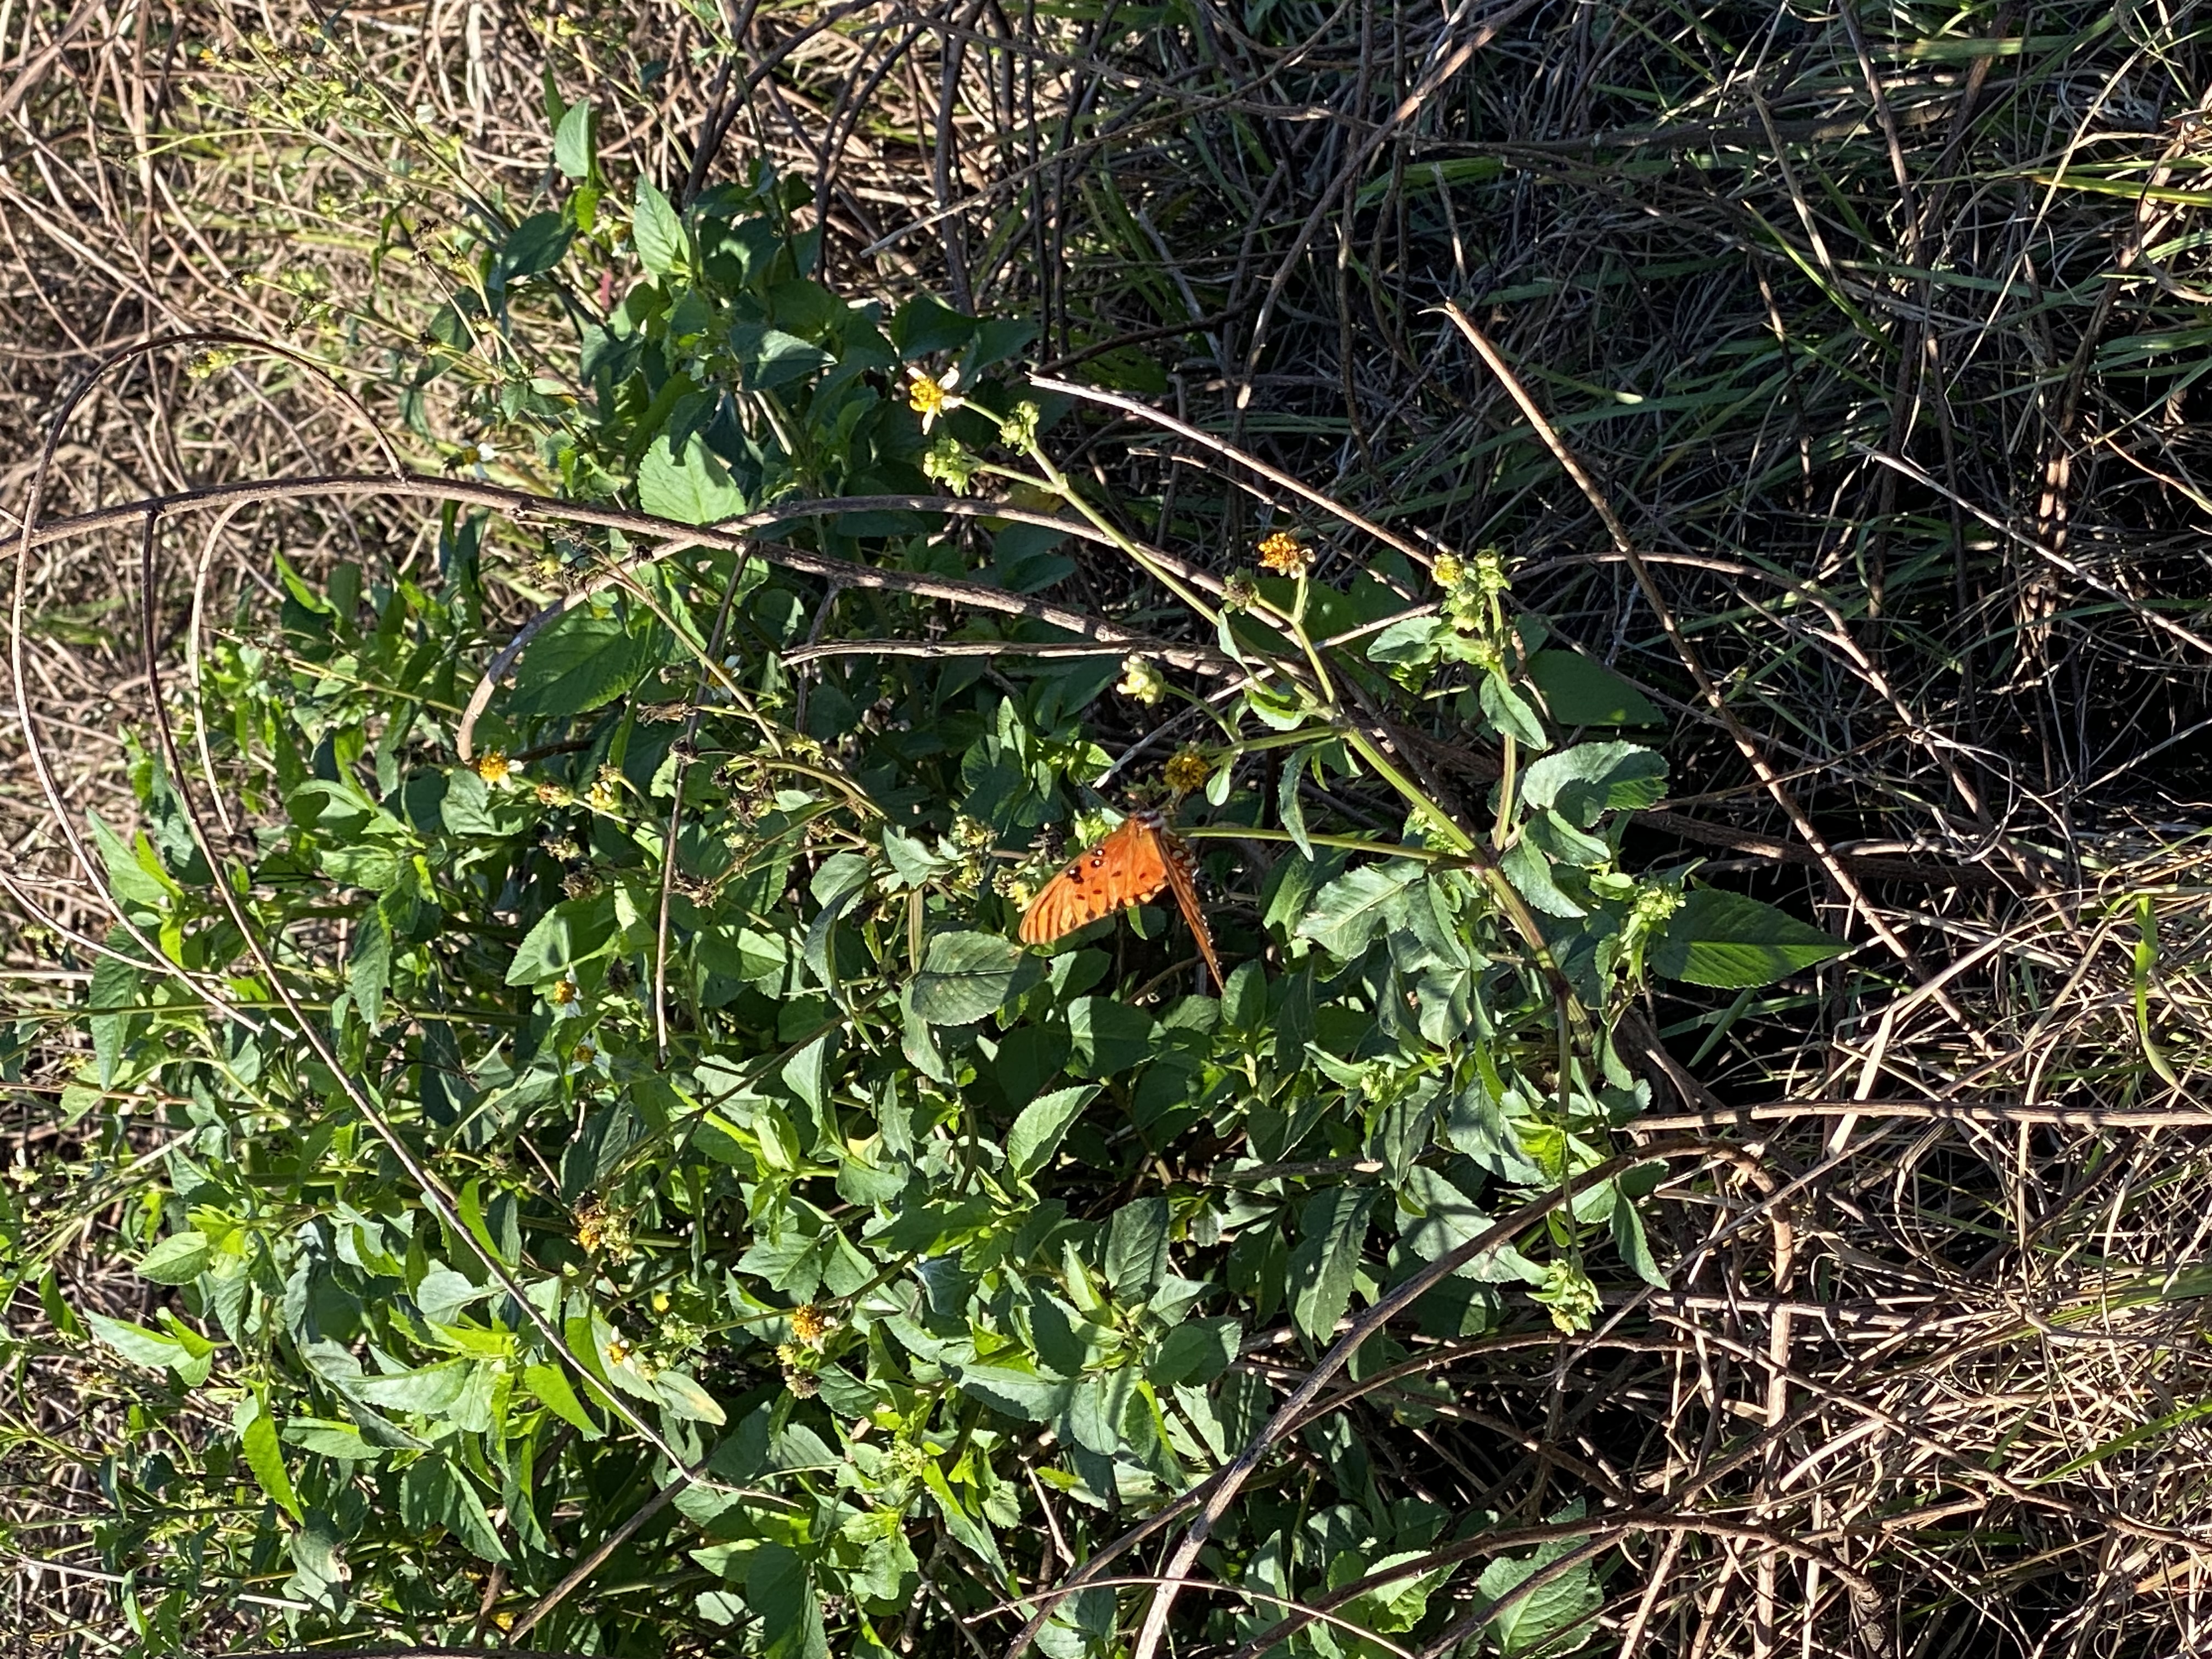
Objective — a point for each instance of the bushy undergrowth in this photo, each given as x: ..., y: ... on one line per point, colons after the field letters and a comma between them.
x: 606, y: 1099
x: 555, y: 1144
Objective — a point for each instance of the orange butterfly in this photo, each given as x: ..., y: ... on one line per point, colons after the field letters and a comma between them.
x: 1129, y: 867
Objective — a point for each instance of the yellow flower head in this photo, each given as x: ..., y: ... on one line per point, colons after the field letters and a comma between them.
x: 931, y: 395
x: 1284, y: 555
x: 1187, y: 770
x: 810, y: 1324
x: 493, y: 767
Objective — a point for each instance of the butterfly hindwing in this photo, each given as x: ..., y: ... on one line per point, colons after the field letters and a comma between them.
x: 1181, y: 867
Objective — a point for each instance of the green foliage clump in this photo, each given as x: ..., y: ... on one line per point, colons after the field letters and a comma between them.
x: 609, y: 1115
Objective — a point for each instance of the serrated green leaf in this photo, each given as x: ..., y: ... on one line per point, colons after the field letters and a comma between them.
x: 1530, y: 872
x: 1137, y: 1247
x: 1332, y: 1230
x: 1508, y: 713
x: 966, y: 978
x: 1036, y: 1132
x: 115, y: 988
x: 535, y: 245
x: 583, y: 660
x: 1016, y: 1389
x: 1733, y: 943
x: 1410, y: 641
x: 1107, y: 1036
x: 432, y: 1493
x: 136, y: 1343
x: 924, y: 325
x: 177, y: 1260
x: 1629, y: 1239
x: 1435, y: 1218
x: 368, y: 965
x: 1194, y: 1353
x: 656, y: 232
x: 325, y: 1438
x: 768, y: 358
x: 1357, y: 905
x: 574, y: 931
x: 134, y: 875
x: 1546, y: 1613
x: 1591, y: 779
x: 680, y: 1395
x: 691, y: 486
x: 576, y: 141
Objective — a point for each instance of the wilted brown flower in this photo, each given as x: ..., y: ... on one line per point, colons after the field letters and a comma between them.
x: 1187, y: 770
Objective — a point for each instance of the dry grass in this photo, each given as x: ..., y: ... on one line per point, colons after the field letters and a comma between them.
x: 1881, y: 328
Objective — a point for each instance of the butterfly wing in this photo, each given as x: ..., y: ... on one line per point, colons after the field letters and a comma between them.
x: 1181, y: 867
x: 1128, y: 868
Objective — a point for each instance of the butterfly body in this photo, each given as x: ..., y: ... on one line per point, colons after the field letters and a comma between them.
x: 1141, y: 858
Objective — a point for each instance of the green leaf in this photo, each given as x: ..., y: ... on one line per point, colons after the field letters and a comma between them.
x: 1580, y: 692
x: 1096, y: 1409
x: 1530, y: 872
x: 1357, y: 905
x: 1016, y: 1389
x: 177, y: 1260
x: 1035, y: 1134
x: 135, y: 876
x: 1397, y: 1607
x: 434, y: 1493
x: 924, y: 325
x: 682, y: 1396
x: 368, y: 968
x: 1592, y: 779
x: 574, y: 931
x: 1435, y: 1218
x: 550, y: 1384
x: 576, y: 141
x: 1537, y: 1620
x: 197, y: 1352
x: 1332, y: 1229
x: 1511, y: 716
x: 256, y: 1435
x: 583, y: 659
x: 1108, y: 1037
x: 1733, y: 943
x: 656, y: 232
x: 691, y: 486
x: 1628, y: 1238
x: 1194, y: 1352
x: 1288, y: 807
x: 768, y: 358
x: 325, y: 1438
x: 137, y: 1344
x: 966, y: 978
x: 1411, y: 640
x: 427, y: 1392
x: 115, y: 986
x: 1137, y: 1247
x: 535, y: 245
